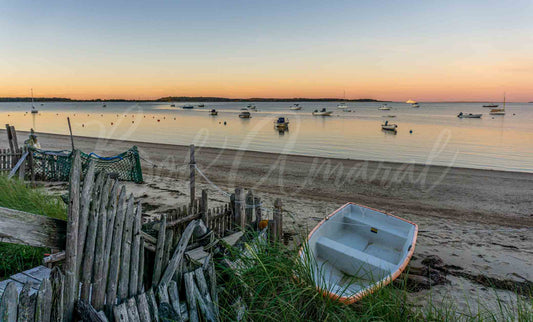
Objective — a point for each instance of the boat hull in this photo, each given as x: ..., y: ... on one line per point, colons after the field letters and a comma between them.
x: 322, y: 113
x: 371, y: 247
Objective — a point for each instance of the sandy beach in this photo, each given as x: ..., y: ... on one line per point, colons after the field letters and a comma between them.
x: 478, y: 221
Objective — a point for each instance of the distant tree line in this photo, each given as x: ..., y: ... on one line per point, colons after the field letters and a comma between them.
x: 188, y: 99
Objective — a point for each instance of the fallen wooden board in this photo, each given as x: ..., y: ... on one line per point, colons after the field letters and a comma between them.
x: 19, y: 227
x: 199, y: 253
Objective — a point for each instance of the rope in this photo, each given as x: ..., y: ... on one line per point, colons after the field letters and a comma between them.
x: 211, y: 182
x: 92, y: 154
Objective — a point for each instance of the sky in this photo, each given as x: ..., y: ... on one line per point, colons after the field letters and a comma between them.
x: 388, y: 50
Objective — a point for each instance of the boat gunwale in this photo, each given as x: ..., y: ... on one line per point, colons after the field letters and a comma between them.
x: 377, y: 285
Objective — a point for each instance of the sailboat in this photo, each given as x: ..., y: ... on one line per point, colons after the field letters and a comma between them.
x: 342, y: 105
x: 499, y: 111
x: 33, y: 109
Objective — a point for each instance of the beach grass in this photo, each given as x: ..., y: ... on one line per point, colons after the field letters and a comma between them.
x: 265, y: 288
x: 15, y: 194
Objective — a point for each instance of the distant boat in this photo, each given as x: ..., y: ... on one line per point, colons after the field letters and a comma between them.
x: 342, y: 106
x: 187, y: 107
x: 282, y: 123
x: 469, y: 116
x: 389, y: 126
x: 499, y: 111
x: 244, y: 114
x: 201, y: 105
x: 251, y: 106
x: 172, y: 105
x: 295, y: 107
x: 104, y: 105
x: 322, y: 112
x: 384, y: 107
x: 491, y: 105
x: 33, y: 109
x: 213, y: 112
x: 357, y: 250
x: 415, y: 105
x: 410, y: 102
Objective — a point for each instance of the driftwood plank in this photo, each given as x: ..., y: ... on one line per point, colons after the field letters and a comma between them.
x: 114, y: 264
x: 177, y: 257
x: 167, y: 249
x: 98, y: 291
x: 57, y: 280
x: 204, y: 296
x: 120, y: 313
x: 9, y: 303
x: 143, y: 308
x: 125, y: 256
x: 159, y: 251
x: 211, y: 273
x: 136, y: 243
x: 131, y: 306
x: 43, y: 307
x: 71, y: 248
x: 19, y: 227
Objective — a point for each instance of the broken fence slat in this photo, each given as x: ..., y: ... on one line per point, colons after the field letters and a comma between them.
x: 43, y: 307
x: 9, y: 303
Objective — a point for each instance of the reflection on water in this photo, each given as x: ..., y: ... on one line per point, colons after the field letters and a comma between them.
x: 504, y: 143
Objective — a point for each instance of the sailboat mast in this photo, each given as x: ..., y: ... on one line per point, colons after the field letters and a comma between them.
x: 504, y: 100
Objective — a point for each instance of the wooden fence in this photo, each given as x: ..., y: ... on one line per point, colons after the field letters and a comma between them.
x: 111, y: 268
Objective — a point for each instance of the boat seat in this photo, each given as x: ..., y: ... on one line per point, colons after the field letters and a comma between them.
x: 354, y: 220
x: 352, y: 261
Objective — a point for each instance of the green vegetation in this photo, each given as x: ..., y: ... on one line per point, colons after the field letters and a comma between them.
x: 269, y: 291
x: 17, y: 195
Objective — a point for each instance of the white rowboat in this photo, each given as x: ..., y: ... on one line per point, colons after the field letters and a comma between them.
x: 357, y: 250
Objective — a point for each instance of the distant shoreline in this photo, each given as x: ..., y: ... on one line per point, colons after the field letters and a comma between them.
x: 170, y: 99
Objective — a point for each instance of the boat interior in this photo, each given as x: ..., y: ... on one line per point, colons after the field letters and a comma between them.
x: 358, y: 247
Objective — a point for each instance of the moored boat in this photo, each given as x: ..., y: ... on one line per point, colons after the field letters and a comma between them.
x: 33, y: 109
x: 469, y: 116
x: 295, y: 107
x: 244, y: 114
x: 357, y: 250
x: 322, y: 112
x: 499, y: 111
x: 213, y: 112
x: 172, y: 105
x: 251, y: 106
x: 201, y: 105
x: 492, y: 105
x: 187, y: 107
x: 388, y: 126
x: 384, y: 107
x: 415, y: 105
x: 342, y: 106
x: 282, y: 123
x: 410, y: 101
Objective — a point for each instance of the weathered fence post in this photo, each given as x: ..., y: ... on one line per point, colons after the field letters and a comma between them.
x: 258, y: 214
x: 159, y: 252
x: 204, y: 205
x: 71, y: 248
x: 249, y: 207
x: 192, y: 170
x: 278, y: 218
x: 240, y: 206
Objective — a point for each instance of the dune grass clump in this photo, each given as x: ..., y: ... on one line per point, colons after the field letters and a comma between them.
x: 15, y: 194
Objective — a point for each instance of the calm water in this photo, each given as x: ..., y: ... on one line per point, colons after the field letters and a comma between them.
x: 438, y: 136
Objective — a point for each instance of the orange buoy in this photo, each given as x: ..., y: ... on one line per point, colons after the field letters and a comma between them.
x: 263, y: 224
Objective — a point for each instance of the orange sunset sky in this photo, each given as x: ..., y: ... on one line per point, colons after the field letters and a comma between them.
x: 388, y: 51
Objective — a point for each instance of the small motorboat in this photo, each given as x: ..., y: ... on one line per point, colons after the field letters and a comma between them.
x: 384, y: 107
x: 295, y: 107
x: 251, y: 106
x: 342, y: 106
x: 244, y: 114
x: 491, y: 105
x: 415, y: 105
x: 322, y: 112
x: 469, y: 116
x: 282, y: 123
x: 201, y: 105
x: 497, y: 111
x: 172, y: 105
x: 357, y: 250
x: 187, y: 107
x: 388, y: 126
x: 213, y: 112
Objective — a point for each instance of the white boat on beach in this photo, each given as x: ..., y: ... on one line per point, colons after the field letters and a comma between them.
x: 322, y: 112
x: 357, y: 250
x: 295, y: 107
x: 384, y: 107
x: 469, y: 116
